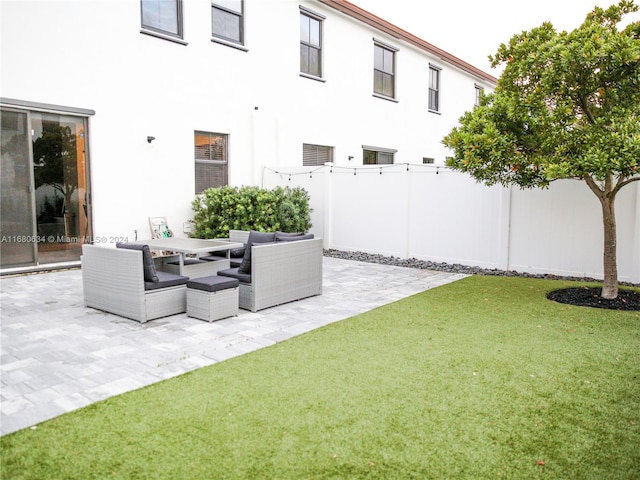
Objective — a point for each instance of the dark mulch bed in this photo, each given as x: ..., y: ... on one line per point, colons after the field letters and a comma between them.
x: 590, y: 297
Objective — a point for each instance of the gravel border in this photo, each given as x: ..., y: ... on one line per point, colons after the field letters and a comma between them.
x: 451, y: 268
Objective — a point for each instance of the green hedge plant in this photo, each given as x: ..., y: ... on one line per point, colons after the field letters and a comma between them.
x: 218, y: 210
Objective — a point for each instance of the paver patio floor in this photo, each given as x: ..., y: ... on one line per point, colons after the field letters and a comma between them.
x: 58, y: 356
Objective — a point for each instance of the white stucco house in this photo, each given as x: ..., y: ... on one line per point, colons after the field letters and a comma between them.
x: 117, y: 111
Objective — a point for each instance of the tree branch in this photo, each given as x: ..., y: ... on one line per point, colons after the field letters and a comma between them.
x: 622, y: 182
x: 585, y: 108
x: 594, y: 186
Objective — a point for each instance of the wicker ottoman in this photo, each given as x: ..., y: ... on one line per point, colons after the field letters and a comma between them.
x: 212, y: 298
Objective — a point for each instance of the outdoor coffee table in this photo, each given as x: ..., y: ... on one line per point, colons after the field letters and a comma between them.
x: 193, y: 246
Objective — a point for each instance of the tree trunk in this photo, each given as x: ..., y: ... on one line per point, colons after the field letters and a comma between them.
x: 607, y: 197
x: 610, y: 286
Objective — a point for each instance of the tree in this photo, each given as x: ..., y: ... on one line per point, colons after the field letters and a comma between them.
x: 54, y: 161
x: 566, y: 106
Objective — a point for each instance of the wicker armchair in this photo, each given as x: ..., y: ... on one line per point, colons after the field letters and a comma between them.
x: 113, y: 280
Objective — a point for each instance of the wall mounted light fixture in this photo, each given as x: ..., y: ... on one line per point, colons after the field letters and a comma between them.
x: 350, y: 157
x: 150, y: 139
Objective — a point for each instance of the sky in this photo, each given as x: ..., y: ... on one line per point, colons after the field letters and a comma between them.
x: 472, y: 30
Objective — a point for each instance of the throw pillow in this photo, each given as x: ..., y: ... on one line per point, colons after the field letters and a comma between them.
x: 254, y: 237
x: 150, y: 274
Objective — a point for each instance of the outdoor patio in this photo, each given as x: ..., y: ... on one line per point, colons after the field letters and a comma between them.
x: 58, y: 356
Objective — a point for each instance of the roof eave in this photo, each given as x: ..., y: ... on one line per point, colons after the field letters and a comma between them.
x: 369, y: 18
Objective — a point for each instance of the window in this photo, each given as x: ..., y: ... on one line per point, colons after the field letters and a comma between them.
x: 479, y: 93
x: 211, y: 160
x: 227, y: 20
x: 383, y: 70
x: 428, y: 160
x: 162, y: 16
x: 434, y: 88
x: 314, y: 155
x: 310, y: 43
x: 377, y: 156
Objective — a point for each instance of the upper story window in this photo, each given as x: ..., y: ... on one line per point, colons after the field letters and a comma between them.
x: 316, y: 155
x: 310, y: 43
x: 162, y: 16
x: 479, y: 93
x: 377, y: 156
x: 227, y: 20
x: 434, y: 88
x: 211, y: 158
x: 384, y: 70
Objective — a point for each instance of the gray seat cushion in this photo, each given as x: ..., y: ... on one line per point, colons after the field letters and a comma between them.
x: 213, y: 283
x: 187, y: 261
x: 166, y: 280
x: 234, y: 273
x: 150, y: 274
x: 233, y: 253
x: 232, y: 262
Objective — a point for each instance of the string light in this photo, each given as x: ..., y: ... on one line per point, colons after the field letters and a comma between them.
x: 355, y: 170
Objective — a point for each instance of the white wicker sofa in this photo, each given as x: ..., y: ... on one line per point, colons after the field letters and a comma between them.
x: 116, y: 280
x: 281, y: 272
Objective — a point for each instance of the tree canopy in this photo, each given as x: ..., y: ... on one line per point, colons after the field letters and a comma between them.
x: 566, y: 106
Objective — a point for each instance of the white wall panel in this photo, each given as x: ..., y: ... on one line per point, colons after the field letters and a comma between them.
x: 448, y: 217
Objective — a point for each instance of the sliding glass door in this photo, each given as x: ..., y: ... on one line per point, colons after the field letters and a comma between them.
x: 16, y: 202
x: 45, y: 210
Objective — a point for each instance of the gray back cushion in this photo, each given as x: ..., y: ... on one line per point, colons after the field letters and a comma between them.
x: 293, y: 238
x: 254, y: 237
x: 150, y: 274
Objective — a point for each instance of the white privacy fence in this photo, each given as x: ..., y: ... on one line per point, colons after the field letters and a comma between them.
x: 433, y: 213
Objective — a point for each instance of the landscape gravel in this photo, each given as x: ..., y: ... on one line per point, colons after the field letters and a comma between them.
x: 447, y: 267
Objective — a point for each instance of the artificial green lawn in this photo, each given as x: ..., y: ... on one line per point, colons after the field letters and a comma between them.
x: 481, y: 379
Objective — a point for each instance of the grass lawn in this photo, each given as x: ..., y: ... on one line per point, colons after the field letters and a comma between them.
x: 480, y: 379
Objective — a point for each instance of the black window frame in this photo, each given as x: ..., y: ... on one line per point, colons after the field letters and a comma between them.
x: 385, y: 70
x: 375, y: 155
x: 156, y: 30
x: 434, y: 88
x: 306, y: 44
x: 221, y: 38
x: 204, y: 156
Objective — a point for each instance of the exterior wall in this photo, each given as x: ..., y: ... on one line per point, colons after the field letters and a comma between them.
x: 448, y: 217
x: 91, y: 55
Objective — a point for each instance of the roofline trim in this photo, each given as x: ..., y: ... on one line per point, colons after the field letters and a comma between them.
x: 372, y: 20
